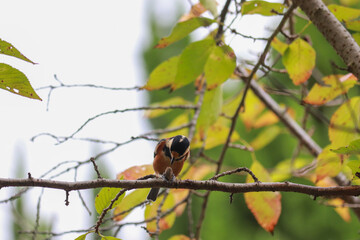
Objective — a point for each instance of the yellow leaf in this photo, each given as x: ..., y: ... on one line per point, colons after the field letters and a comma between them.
x: 151, y: 212
x: 299, y: 61
x: 329, y: 164
x: 334, y: 86
x: 130, y: 200
x: 166, y: 103
x: 178, y: 121
x: 265, y: 137
x: 342, y: 123
x: 279, y: 45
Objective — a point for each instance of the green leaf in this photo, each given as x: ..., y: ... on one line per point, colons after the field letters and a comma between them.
x: 182, y: 29
x: 265, y: 137
x: 210, y: 110
x: 14, y: 81
x: 104, y: 198
x: 210, y: 5
x: 334, y: 85
x: 130, y: 200
x: 353, y: 25
x: 342, y: 123
x: 163, y: 75
x: 192, y: 61
x: 262, y: 7
x: 109, y: 238
x: 299, y: 61
x: 354, y: 165
x: 82, y: 237
x: 8, y: 49
x: 219, y: 66
x: 352, y: 148
x: 344, y: 14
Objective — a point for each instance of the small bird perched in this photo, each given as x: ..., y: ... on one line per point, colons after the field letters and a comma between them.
x: 169, y: 152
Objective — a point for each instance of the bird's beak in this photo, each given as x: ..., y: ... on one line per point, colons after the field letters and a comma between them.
x: 172, y: 160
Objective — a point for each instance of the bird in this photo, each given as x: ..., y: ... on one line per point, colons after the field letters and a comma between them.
x: 169, y: 152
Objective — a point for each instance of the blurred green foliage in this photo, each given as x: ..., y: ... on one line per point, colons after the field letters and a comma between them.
x: 302, y: 217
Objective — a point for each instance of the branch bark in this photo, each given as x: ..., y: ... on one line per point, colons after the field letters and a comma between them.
x: 210, y: 185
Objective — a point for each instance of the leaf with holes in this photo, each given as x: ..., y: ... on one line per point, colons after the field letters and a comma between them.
x: 151, y: 211
x: 266, y: 206
x: 192, y: 61
x: 334, y: 85
x: 16, y: 82
x: 343, y: 123
x: 219, y: 66
x: 299, y: 61
x: 104, y: 198
x: 262, y: 7
x: 129, y: 201
x: 354, y: 166
x: 182, y: 29
x: 168, y: 102
x: 8, y: 49
x: 329, y: 164
x: 163, y: 75
x: 352, y: 148
x: 210, y: 110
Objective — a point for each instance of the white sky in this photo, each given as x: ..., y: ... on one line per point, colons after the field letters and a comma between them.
x: 96, y: 42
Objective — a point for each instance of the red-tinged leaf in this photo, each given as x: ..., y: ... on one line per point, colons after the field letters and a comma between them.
x: 182, y: 29
x: 151, y: 212
x: 168, y: 102
x: 179, y: 237
x: 129, y: 201
x: 16, y: 82
x: 299, y: 61
x: 192, y: 61
x: 163, y: 75
x: 265, y: 206
x: 210, y: 110
x: 279, y: 45
x: 265, y: 137
x: 195, y: 11
x: 262, y: 7
x: 136, y: 172
x: 344, y: 14
x: 219, y: 66
x: 329, y: 164
x: 334, y: 85
x: 8, y: 49
x: 342, y: 128
x: 178, y: 121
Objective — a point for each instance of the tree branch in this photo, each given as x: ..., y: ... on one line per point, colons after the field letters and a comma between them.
x: 210, y: 185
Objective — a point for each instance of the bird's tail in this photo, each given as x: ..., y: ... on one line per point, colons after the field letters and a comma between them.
x: 153, y: 194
